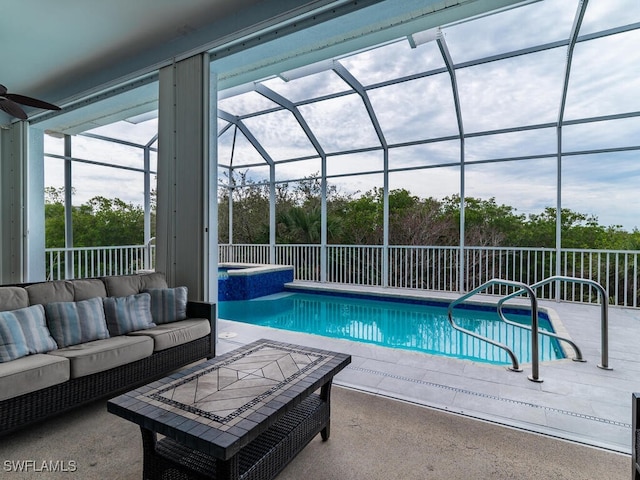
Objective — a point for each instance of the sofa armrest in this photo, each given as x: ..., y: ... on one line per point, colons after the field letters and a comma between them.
x: 635, y: 436
x: 205, y: 310
x: 201, y: 310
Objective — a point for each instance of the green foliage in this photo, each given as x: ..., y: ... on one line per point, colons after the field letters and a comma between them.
x: 358, y: 220
x: 352, y: 220
x: 99, y: 222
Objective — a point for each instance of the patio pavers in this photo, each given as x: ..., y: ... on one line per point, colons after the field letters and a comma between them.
x: 575, y: 401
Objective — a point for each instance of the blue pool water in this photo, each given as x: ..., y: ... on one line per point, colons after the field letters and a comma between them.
x: 416, y: 325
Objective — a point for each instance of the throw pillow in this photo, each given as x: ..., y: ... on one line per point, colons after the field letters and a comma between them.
x: 168, y: 304
x: 72, y: 323
x: 13, y: 343
x: 127, y: 314
x: 34, y: 328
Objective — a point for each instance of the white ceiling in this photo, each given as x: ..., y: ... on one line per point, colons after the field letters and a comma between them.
x: 61, y: 51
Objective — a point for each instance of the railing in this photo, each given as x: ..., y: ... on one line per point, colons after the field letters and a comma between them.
x: 438, y: 268
x: 85, y: 262
x: 489, y: 284
x: 426, y: 268
x: 604, y: 314
x: 429, y: 268
x: 529, y: 290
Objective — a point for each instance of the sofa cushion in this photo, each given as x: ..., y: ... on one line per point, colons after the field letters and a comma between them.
x: 71, y: 323
x: 100, y: 355
x: 84, y: 289
x: 169, y: 335
x: 168, y: 304
x: 34, y: 327
x: 47, y: 292
x: 13, y: 343
x: 31, y: 373
x: 12, y: 298
x: 127, y: 314
x: 122, y: 285
x: 153, y: 280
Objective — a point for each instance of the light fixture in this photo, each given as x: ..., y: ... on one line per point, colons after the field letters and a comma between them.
x: 311, y: 69
x: 425, y: 36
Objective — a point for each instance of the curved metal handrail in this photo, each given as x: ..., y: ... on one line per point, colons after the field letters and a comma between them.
x: 604, y: 312
x: 578, y: 353
x: 534, y: 324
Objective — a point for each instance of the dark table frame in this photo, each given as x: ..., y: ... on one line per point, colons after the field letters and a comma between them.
x: 254, y: 440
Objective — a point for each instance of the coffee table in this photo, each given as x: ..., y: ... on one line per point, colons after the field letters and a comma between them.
x: 242, y: 415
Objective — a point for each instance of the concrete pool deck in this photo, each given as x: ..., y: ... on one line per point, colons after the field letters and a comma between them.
x: 575, y: 401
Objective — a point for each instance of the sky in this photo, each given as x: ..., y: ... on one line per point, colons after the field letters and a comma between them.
x: 511, y: 93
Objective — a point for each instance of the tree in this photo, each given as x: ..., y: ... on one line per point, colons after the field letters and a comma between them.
x: 98, y: 222
x: 250, y: 211
x: 105, y: 221
x: 299, y: 225
x: 486, y: 222
x: 54, y: 217
x: 360, y: 219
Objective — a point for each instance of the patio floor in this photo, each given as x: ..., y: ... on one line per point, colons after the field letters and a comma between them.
x: 372, y: 437
x: 575, y: 401
x: 376, y: 437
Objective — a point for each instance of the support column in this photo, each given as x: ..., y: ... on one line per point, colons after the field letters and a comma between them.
x: 186, y: 225
x: 385, y: 220
x: 272, y: 214
x: 68, y: 209
x: 22, y: 244
x: 324, y: 263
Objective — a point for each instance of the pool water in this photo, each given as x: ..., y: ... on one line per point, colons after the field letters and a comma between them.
x: 417, y: 325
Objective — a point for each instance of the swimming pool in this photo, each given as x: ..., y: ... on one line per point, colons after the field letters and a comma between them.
x: 419, y: 325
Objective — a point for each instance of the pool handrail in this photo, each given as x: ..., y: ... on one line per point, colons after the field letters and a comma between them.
x: 515, y: 366
x: 604, y: 310
x: 578, y: 353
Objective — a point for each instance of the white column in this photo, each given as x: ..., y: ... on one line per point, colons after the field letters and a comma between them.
x: 21, y: 204
x: 186, y: 240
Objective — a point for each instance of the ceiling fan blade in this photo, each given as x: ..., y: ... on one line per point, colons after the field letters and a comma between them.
x: 12, y: 108
x: 31, y: 102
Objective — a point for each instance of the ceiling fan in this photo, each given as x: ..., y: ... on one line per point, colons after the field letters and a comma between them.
x: 10, y: 103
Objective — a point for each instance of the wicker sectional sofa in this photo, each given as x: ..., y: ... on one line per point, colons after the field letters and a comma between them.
x: 69, y: 342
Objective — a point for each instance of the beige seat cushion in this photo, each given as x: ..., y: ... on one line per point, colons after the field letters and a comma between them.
x: 100, y: 355
x: 169, y: 335
x: 31, y: 373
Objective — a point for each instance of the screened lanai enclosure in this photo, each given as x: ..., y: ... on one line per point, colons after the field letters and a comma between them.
x: 502, y: 146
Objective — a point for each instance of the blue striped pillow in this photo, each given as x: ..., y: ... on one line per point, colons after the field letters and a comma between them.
x: 34, y: 327
x: 72, y: 323
x: 13, y: 343
x: 127, y: 314
x: 168, y: 304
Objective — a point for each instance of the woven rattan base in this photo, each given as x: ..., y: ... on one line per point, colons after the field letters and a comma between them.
x: 262, y: 459
x: 32, y: 407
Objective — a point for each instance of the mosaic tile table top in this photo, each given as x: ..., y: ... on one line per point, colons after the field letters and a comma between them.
x: 222, y: 404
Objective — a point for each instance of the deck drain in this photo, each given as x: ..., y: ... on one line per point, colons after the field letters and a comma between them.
x: 227, y: 334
